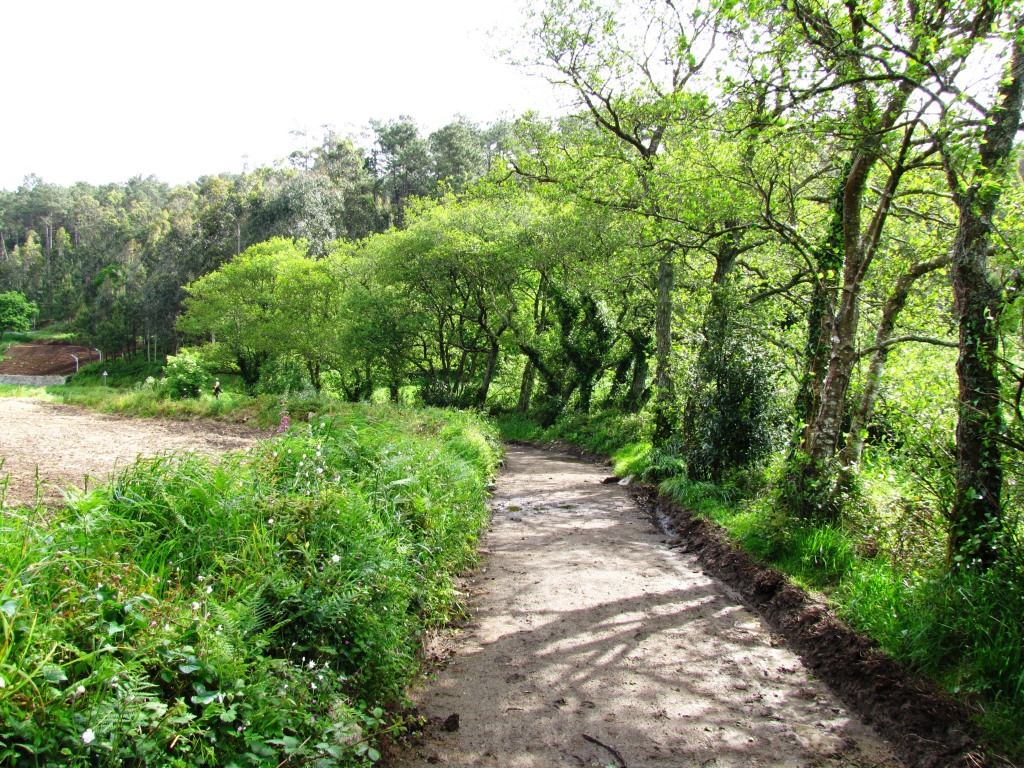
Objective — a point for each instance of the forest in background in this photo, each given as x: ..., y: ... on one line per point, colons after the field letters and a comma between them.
x: 773, y: 257
x: 109, y: 262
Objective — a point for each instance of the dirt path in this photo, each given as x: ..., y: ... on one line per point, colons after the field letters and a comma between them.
x: 593, y: 644
x: 63, y: 445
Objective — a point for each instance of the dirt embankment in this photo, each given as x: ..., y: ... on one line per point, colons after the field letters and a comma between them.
x: 925, y: 725
x: 593, y: 643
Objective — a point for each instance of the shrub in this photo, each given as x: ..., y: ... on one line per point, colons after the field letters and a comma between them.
x: 283, y: 374
x: 186, y: 375
x: 731, y: 419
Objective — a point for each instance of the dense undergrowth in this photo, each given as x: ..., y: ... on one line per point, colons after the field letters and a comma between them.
x: 881, y: 568
x: 259, y: 609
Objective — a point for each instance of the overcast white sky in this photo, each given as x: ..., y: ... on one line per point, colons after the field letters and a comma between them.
x: 103, y: 90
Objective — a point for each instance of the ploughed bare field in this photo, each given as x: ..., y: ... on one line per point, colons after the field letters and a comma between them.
x: 47, y: 446
x: 46, y: 358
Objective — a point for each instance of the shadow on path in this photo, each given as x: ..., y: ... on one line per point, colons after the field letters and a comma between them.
x: 592, y: 641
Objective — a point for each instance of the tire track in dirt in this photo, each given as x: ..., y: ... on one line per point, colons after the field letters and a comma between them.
x: 593, y: 644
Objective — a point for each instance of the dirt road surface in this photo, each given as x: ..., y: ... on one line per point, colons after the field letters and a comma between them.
x: 55, y: 445
x: 593, y: 644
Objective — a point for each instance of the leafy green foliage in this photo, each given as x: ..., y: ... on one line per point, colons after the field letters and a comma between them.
x: 732, y: 417
x: 269, y: 608
x: 186, y: 375
x: 16, y: 312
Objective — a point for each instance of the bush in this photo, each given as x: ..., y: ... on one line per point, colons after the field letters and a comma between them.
x: 283, y: 374
x: 731, y: 419
x: 186, y: 375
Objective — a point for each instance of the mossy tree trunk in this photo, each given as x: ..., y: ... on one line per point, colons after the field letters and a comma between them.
x: 976, y: 525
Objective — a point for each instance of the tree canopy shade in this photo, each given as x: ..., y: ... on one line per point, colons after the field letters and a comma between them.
x: 16, y: 313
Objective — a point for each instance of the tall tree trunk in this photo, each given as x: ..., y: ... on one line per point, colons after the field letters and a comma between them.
x: 857, y: 257
x: 636, y: 397
x: 664, y: 405
x: 814, y: 478
x: 526, y: 387
x: 828, y: 264
x: 716, y: 329
x: 314, y: 374
x: 976, y: 519
x: 976, y: 522
x: 489, y: 370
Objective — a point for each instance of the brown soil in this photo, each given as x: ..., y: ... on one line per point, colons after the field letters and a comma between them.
x: 47, y: 446
x: 593, y: 643
x: 924, y: 725
x: 53, y: 358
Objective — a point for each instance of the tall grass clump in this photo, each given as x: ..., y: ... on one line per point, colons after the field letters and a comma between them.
x: 256, y: 610
x: 964, y: 629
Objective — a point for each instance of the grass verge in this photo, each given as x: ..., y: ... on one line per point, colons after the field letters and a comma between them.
x: 257, y: 610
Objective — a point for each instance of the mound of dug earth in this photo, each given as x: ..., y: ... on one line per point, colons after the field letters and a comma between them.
x: 54, y: 358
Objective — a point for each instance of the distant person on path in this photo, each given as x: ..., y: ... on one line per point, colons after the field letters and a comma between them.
x: 216, y: 389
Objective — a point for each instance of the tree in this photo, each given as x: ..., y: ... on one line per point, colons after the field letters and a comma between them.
x: 870, y: 83
x: 401, y: 163
x: 236, y: 306
x: 308, y: 301
x: 457, y: 266
x: 630, y: 69
x: 977, y: 174
x: 16, y: 312
x: 458, y: 154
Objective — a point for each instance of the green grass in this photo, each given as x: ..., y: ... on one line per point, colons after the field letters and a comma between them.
x: 624, y: 438
x: 121, y: 372
x: 256, y: 610
x: 964, y: 630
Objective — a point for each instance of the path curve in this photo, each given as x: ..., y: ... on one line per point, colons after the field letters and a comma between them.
x: 593, y: 644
